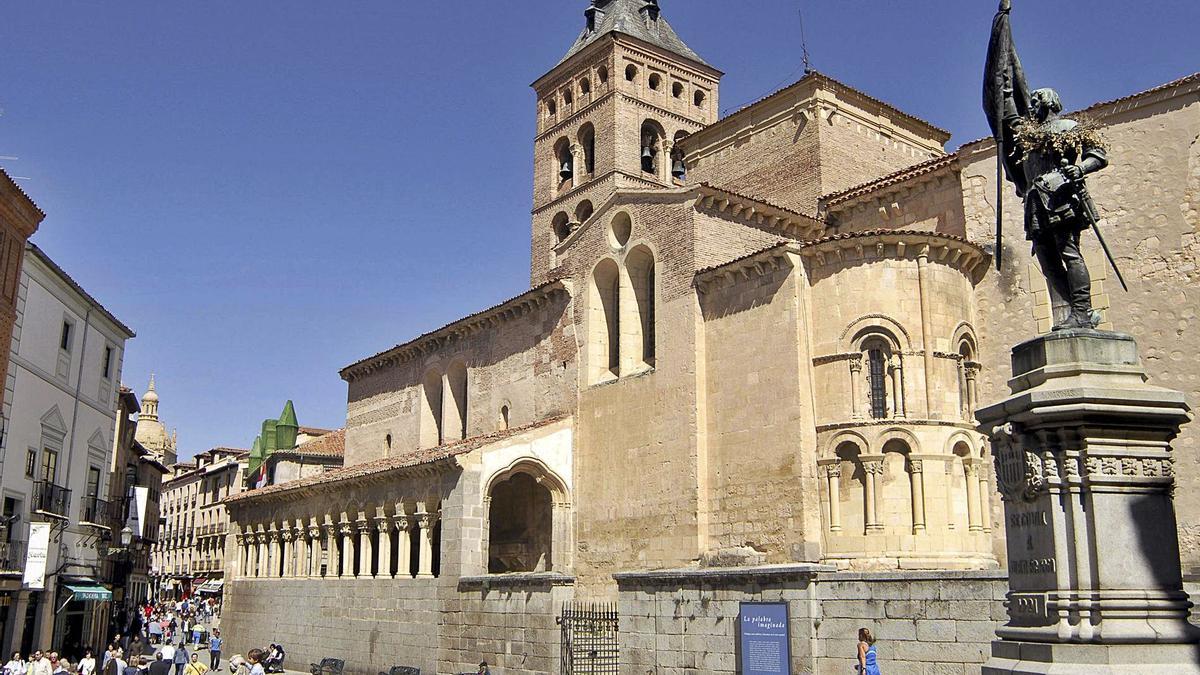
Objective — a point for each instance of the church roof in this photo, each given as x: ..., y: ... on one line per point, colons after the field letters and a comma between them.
x: 636, y: 18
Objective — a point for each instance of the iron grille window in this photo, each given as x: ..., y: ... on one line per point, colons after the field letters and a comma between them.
x: 877, y: 374
x: 589, y: 639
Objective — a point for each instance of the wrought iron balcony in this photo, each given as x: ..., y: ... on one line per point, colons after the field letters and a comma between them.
x: 12, y: 556
x: 98, y: 512
x: 50, y: 499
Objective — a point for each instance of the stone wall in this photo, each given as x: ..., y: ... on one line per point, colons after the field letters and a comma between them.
x: 926, y: 623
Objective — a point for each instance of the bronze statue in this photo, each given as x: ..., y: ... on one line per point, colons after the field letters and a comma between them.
x: 1046, y: 157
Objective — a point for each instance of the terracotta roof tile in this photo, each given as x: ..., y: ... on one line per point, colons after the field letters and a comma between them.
x: 387, y: 464
x: 331, y: 444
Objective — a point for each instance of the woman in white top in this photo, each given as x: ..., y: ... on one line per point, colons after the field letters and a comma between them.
x: 87, y: 665
x: 15, y: 665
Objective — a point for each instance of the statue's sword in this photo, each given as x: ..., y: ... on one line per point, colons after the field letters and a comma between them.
x: 1093, y: 216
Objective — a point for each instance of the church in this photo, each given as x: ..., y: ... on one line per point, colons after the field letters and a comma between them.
x: 746, y: 370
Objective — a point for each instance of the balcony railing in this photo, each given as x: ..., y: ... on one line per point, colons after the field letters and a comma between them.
x: 12, y: 556
x: 98, y: 511
x: 51, y: 499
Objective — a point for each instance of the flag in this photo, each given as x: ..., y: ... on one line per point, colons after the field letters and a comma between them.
x: 262, y: 477
x: 1005, y: 91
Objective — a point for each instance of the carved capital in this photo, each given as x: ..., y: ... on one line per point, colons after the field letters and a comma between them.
x: 382, y: 523
x: 833, y: 470
x: 363, y: 525
x: 403, y: 523
x: 427, y: 520
x: 873, y: 467
x: 856, y: 363
x: 916, y: 466
x: 288, y: 536
x: 314, y: 532
x: 346, y: 528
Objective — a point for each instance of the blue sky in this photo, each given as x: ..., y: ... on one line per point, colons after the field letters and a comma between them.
x: 269, y: 191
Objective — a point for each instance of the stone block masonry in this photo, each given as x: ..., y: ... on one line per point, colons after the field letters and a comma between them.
x: 925, y: 622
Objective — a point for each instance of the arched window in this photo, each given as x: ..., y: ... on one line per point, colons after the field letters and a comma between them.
x: 431, y: 407
x: 587, y: 141
x: 877, y: 365
x: 584, y: 211
x: 568, y: 97
x: 602, y: 73
x: 551, y: 108
x: 902, y: 496
x: 504, y: 414
x: 631, y: 72
x: 561, y: 225
x: 699, y: 99
x: 520, y: 526
x: 585, y: 86
x: 968, y: 371
x: 564, y: 164
x: 655, y: 81
x: 454, y: 411
x: 640, y: 266
x: 651, y: 146
x: 604, y: 323
x: 677, y: 89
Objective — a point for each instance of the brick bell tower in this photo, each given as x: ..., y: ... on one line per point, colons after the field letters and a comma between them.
x: 609, y: 114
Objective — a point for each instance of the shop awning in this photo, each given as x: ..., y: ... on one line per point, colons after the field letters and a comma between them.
x: 199, y: 581
x: 213, y: 586
x: 87, y: 592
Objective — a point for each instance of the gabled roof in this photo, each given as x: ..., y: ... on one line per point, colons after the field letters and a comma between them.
x: 331, y: 445
x: 636, y: 18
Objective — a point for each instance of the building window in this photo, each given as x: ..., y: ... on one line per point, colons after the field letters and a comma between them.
x: 655, y: 81
x: 431, y: 413
x: 106, y: 371
x: 585, y: 86
x: 604, y: 322
x: 64, y: 339
x: 652, y: 138
x: 568, y: 98
x: 454, y: 411
x: 602, y: 73
x: 30, y: 462
x: 877, y: 377
x: 699, y: 99
x: 640, y: 266
x: 677, y: 90
x: 564, y: 164
x: 49, y: 464
x: 561, y: 224
x: 631, y: 72
x: 587, y: 141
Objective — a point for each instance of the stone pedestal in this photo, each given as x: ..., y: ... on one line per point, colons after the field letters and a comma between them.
x: 1084, y: 466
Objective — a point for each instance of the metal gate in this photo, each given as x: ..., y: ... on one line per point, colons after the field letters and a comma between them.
x: 589, y: 639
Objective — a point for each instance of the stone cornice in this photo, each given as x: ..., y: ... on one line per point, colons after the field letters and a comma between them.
x: 518, y: 580
x: 749, y: 267
x: 897, y: 244
x: 440, y: 338
x: 575, y: 116
x: 887, y: 193
x: 702, y: 575
x: 894, y: 422
x: 789, y: 224
x: 16, y: 208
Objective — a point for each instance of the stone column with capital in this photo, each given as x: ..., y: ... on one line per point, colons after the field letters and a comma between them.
x: 425, y: 553
x: 300, y: 563
x: 917, y: 469
x: 1085, y: 468
x: 334, y: 564
x: 383, y: 525
x: 971, y: 469
x: 873, y: 468
x: 349, y: 558
x: 288, y: 536
x: 314, y: 551
x: 403, y: 525
x: 855, y: 394
x: 364, y: 547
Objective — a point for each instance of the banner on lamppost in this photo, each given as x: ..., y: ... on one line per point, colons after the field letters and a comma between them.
x: 136, y: 518
x: 35, y: 558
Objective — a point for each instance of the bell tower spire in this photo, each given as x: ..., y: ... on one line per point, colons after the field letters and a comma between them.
x: 609, y: 114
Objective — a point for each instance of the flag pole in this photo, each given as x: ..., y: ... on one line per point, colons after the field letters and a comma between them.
x: 999, y: 253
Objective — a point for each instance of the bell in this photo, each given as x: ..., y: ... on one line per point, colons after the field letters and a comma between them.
x: 647, y: 153
x: 678, y: 170
x: 565, y: 172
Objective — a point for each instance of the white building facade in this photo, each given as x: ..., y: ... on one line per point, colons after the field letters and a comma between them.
x: 61, y: 401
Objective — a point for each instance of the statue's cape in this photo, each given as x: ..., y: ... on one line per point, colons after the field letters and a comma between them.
x: 1004, y: 72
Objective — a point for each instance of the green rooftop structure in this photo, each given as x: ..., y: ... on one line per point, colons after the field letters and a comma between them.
x: 275, y: 435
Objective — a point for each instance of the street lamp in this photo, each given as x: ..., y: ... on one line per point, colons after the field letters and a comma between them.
x: 126, y: 537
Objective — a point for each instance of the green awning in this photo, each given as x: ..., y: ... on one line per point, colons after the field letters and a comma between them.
x: 97, y: 593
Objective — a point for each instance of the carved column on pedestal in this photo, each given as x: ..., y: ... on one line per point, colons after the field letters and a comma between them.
x: 314, y: 550
x: 833, y: 475
x: 288, y: 536
x: 1084, y: 465
x: 855, y: 363
x: 971, y: 469
x: 334, y: 564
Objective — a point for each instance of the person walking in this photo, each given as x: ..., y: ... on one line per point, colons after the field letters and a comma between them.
x: 160, y: 666
x: 15, y: 665
x: 214, y: 649
x: 194, y: 667
x: 87, y: 665
x: 40, y: 664
x: 868, y: 660
x: 181, y: 659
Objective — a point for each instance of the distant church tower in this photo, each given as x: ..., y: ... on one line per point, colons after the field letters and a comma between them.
x: 151, y: 433
x: 609, y: 115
